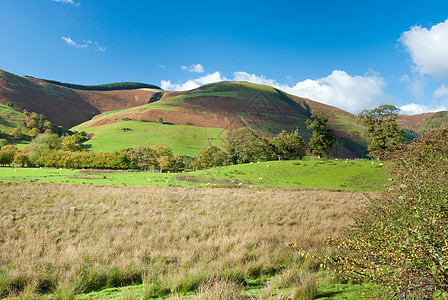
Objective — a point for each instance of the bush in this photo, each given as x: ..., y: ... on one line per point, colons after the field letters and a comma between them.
x: 400, y: 239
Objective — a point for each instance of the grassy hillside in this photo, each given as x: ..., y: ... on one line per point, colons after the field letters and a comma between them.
x: 183, y: 139
x: 437, y: 120
x: 10, y: 119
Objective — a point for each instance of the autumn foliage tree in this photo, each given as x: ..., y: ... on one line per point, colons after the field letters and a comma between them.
x: 400, y: 239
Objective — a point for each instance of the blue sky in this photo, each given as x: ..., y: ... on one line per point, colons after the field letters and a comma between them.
x: 350, y: 54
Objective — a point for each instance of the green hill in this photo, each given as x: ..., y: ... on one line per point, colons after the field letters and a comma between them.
x: 226, y: 106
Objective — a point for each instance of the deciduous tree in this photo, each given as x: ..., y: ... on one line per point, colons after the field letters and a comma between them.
x: 323, y: 138
x: 243, y: 145
x: 17, y: 133
x: 382, y: 130
x: 209, y: 158
x: 41, y: 145
x: 289, y: 145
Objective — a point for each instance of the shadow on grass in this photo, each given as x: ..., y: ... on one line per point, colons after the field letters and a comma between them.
x: 329, y: 294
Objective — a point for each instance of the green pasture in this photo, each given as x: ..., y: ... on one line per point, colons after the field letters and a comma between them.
x: 359, y: 175
x: 183, y: 139
x: 325, y: 291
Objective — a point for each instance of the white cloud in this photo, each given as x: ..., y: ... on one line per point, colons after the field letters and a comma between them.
x: 414, y: 108
x: 351, y: 93
x: 96, y: 46
x: 441, y: 92
x: 161, y: 66
x: 194, y: 83
x: 197, y: 68
x: 428, y: 49
x: 243, y: 76
x: 85, y: 44
x: 70, y: 42
x: 68, y: 2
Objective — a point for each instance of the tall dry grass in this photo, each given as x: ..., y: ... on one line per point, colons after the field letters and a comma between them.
x: 69, y: 239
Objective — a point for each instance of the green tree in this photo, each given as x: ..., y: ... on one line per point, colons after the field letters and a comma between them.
x: 400, y: 239
x: 7, y: 154
x: 164, y: 162
x: 21, y: 158
x: 71, y: 143
x: 382, y: 130
x: 48, y: 126
x: 17, y: 133
x: 32, y: 124
x: 142, y: 157
x: 162, y: 150
x: 209, y: 158
x: 323, y: 138
x: 40, y: 147
x: 33, y: 132
x: 243, y: 146
x: 289, y: 145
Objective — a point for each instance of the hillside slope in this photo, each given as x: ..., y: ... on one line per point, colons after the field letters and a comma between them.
x: 66, y: 106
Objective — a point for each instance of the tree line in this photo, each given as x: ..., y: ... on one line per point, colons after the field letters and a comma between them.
x: 105, y: 87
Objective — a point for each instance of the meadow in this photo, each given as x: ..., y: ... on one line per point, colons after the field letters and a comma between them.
x: 60, y: 240
x: 98, y: 234
x: 359, y: 175
x: 183, y: 139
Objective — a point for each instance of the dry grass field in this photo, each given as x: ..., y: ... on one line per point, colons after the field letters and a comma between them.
x: 72, y: 239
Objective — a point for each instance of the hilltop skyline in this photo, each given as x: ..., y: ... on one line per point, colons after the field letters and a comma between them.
x: 348, y: 54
